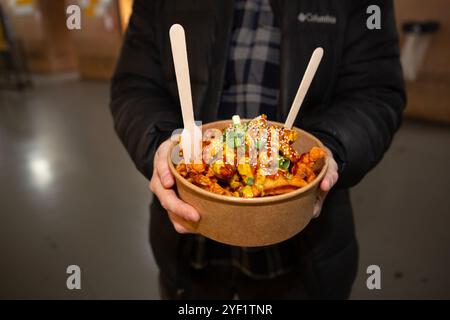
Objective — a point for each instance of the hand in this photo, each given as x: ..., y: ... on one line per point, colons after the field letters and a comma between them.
x: 161, y: 185
x: 329, y: 180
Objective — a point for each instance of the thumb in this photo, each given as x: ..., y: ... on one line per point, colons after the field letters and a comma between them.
x: 162, y: 167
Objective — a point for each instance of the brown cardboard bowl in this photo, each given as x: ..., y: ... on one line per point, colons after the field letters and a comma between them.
x: 250, y: 222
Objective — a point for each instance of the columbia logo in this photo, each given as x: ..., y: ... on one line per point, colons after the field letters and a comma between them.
x: 315, y: 18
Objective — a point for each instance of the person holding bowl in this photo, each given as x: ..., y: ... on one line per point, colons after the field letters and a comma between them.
x: 247, y: 57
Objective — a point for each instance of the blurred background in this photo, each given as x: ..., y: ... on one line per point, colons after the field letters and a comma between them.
x: 69, y: 194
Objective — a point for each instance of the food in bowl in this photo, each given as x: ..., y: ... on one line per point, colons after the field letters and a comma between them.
x: 252, y: 159
x: 246, y: 222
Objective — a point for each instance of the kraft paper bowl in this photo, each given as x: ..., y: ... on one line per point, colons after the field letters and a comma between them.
x: 250, y: 222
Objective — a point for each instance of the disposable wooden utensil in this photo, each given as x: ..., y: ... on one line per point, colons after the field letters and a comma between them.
x: 191, y: 137
x: 304, y: 86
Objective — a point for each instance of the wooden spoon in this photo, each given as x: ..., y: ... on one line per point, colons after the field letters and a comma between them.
x: 304, y: 86
x: 191, y: 137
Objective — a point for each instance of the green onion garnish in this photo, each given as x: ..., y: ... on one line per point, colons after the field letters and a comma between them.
x: 283, y: 163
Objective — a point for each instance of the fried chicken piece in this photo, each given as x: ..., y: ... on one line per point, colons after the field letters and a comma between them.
x: 182, y: 169
x: 223, y: 170
x: 209, y: 184
x: 303, y: 171
x: 286, y: 137
x: 270, y: 185
x: 314, y: 159
x: 197, y: 167
x: 288, y: 151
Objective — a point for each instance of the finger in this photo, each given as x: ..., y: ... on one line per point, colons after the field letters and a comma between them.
x: 325, y: 184
x: 177, y: 223
x: 180, y: 228
x: 171, y: 202
x: 317, y: 208
x: 330, y: 178
x: 329, y: 181
x: 319, y: 203
x: 162, y: 168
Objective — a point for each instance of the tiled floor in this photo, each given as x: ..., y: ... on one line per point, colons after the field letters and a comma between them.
x: 70, y: 195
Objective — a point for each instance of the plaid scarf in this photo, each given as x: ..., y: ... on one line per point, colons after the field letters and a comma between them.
x: 252, y: 76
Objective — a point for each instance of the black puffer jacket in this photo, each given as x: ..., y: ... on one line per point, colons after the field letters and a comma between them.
x: 354, y: 106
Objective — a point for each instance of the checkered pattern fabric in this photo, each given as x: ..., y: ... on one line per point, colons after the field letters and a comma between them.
x: 252, y: 76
